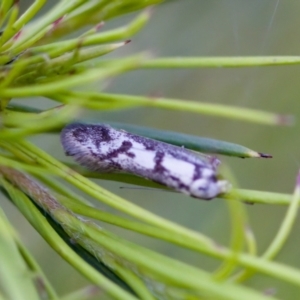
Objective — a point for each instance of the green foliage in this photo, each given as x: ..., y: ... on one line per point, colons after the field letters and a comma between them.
x: 49, y: 56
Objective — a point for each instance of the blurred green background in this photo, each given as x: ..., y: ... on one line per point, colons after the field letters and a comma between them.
x: 205, y: 28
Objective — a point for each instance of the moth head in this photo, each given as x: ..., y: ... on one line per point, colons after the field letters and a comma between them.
x: 208, y: 188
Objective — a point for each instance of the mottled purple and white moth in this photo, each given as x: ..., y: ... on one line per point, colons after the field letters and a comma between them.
x: 102, y: 148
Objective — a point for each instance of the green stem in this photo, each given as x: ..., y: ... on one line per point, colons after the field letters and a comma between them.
x: 238, y: 218
x: 135, y: 282
x: 40, y: 28
x: 24, y: 19
x: 60, y: 48
x: 54, y: 240
x: 218, y: 110
x: 286, y: 225
x: 283, y: 232
x: 87, y: 76
x: 15, y: 276
x: 4, y: 9
x: 258, y: 197
x: 92, y: 237
x: 9, y: 28
x: 39, y: 274
x: 194, y: 239
x: 220, y: 62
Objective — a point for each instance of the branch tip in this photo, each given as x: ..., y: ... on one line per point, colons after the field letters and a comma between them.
x: 100, y: 25
x: 265, y: 155
x: 298, y: 180
x: 286, y: 120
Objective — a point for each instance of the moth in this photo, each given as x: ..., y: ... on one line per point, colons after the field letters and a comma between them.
x: 102, y: 148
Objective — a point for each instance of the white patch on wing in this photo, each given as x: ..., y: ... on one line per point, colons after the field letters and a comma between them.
x: 205, y: 172
x: 181, y: 169
x: 138, y: 146
x: 143, y: 158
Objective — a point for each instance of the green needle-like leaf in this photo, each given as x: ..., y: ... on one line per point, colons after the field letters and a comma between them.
x: 192, y: 142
